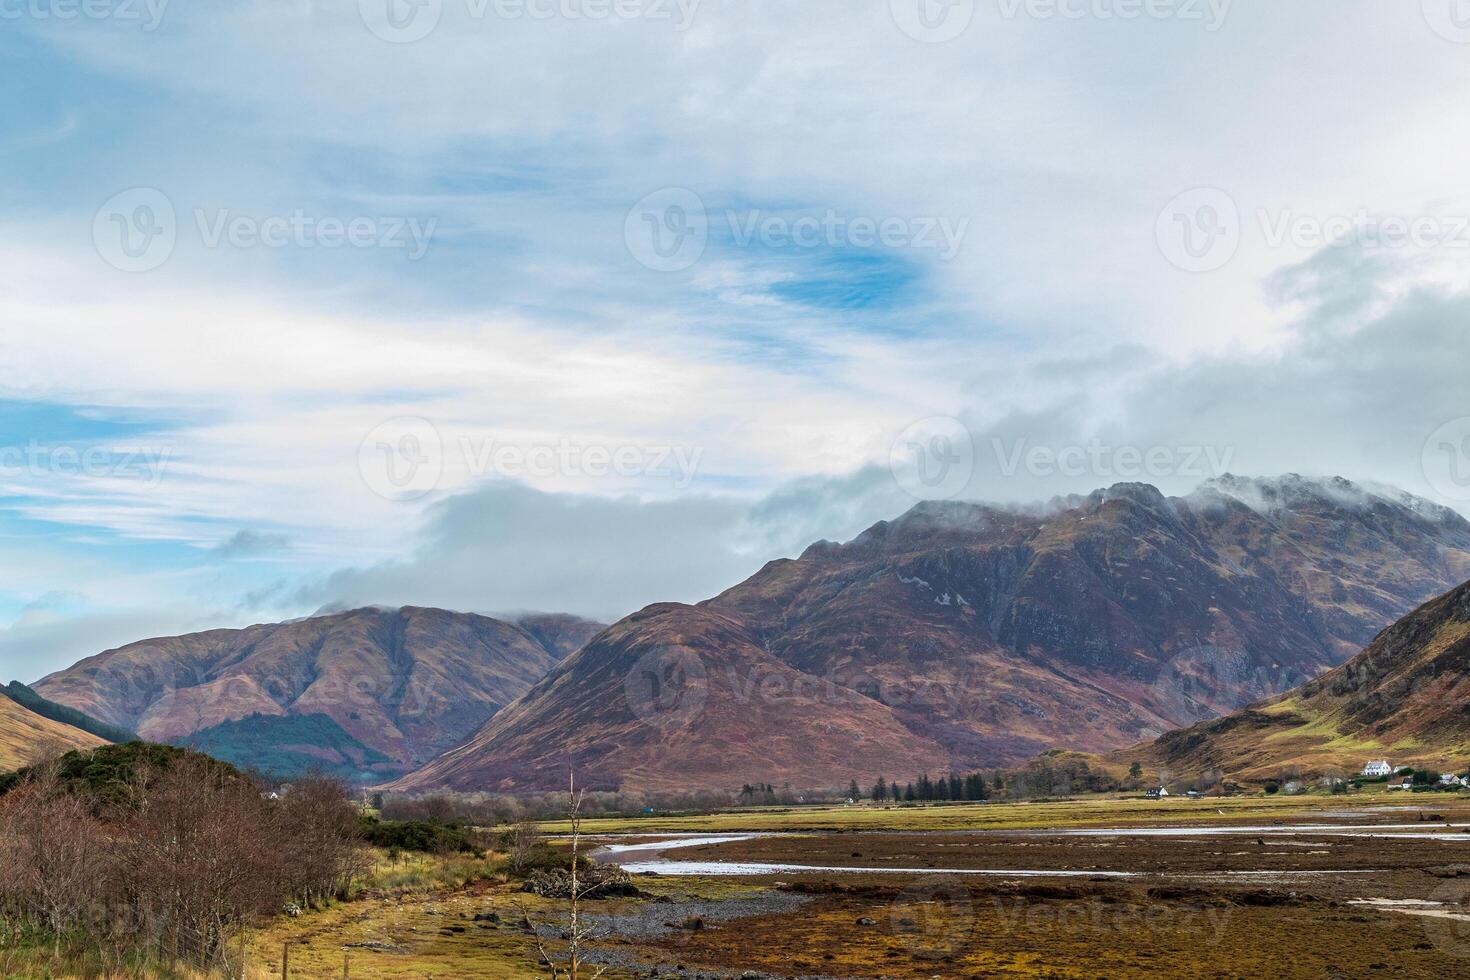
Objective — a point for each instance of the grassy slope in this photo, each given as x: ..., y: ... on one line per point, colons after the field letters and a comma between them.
x: 28, y: 698
x: 1417, y: 722
x: 25, y: 736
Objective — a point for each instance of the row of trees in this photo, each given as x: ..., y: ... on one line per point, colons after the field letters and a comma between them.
x: 168, y: 864
x: 954, y: 787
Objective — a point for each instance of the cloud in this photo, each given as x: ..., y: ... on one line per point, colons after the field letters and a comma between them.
x: 30, y: 649
x: 508, y: 547
x: 247, y: 543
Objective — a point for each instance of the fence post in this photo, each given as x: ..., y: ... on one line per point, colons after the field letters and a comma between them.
x: 346, y: 972
x: 285, y: 960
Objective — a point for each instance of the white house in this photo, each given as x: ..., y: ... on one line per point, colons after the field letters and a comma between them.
x: 1376, y: 769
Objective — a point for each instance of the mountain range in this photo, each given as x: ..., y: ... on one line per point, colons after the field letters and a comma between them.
x: 966, y: 635
x: 366, y: 692
x: 956, y: 636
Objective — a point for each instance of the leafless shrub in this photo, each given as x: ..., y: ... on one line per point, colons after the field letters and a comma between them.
x: 172, y: 866
x: 522, y: 843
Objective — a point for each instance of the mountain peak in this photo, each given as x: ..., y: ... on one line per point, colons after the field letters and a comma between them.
x: 1292, y: 492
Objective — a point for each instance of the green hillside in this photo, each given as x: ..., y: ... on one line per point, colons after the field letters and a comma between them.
x: 289, y: 745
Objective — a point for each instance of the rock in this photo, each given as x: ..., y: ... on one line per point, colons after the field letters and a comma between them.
x: 865, y: 921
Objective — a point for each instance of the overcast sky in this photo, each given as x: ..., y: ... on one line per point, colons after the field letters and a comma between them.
x: 580, y: 304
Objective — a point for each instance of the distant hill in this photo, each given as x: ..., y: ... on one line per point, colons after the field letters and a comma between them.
x: 404, y: 683
x: 284, y: 745
x: 1406, y: 698
x: 27, y: 698
x: 25, y: 737
x: 977, y: 636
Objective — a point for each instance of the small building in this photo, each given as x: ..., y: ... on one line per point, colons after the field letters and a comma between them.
x: 1377, y: 769
x: 1157, y: 794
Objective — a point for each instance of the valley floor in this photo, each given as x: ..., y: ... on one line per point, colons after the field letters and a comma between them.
x: 1290, y: 887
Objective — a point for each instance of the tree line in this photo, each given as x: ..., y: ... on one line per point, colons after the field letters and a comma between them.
x: 952, y: 788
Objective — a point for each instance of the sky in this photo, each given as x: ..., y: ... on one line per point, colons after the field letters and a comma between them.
x: 578, y: 305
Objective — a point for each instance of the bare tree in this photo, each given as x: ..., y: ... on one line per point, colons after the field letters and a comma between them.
x: 578, y: 934
x: 522, y: 842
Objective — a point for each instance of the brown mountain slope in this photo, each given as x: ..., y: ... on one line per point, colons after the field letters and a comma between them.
x: 559, y: 633
x: 408, y: 683
x: 26, y: 737
x: 999, y: 633
x: 1405, y: 698
x: 664, y: 699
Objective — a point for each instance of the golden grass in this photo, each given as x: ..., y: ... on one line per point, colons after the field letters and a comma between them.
x: 26, y: 737
x: 1094, y: 811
